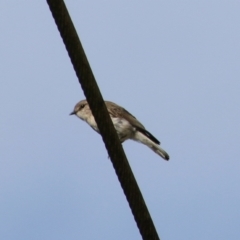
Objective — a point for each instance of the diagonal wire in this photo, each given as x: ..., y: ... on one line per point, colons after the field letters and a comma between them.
x: 105, y: 125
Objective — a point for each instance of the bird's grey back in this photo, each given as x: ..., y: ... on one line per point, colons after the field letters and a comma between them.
x: 118, y: 111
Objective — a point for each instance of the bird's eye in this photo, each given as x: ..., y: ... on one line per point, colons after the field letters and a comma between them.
x: 82, y: 106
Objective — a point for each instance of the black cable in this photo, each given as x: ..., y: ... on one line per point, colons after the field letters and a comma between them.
x: 105, y: 125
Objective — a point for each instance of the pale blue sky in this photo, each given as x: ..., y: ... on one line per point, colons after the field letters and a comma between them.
x: 175, y: 66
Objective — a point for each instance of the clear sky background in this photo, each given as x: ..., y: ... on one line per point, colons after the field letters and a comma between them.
x: 172, y: 64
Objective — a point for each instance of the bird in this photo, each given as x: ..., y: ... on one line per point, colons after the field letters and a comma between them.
x: 126, y: 125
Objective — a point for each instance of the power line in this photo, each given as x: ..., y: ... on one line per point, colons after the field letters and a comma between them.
x: 105, y: 125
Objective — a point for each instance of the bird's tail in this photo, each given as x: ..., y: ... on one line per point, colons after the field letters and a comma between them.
x: 140, y: 137
x: 158, y: 150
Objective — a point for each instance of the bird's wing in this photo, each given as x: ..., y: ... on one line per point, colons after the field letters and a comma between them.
x: 116, y: 111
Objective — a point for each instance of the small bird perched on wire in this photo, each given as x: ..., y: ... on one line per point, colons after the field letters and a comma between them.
x: 126, y: 125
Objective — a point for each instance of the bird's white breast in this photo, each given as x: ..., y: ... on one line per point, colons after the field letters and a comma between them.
x: 91, y: 121
x: 124, y: 129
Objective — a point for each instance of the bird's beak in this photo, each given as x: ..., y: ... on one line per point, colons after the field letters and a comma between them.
x: 72, y: 113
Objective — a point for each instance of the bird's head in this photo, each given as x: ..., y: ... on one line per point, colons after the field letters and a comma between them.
x: 81, y: 110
